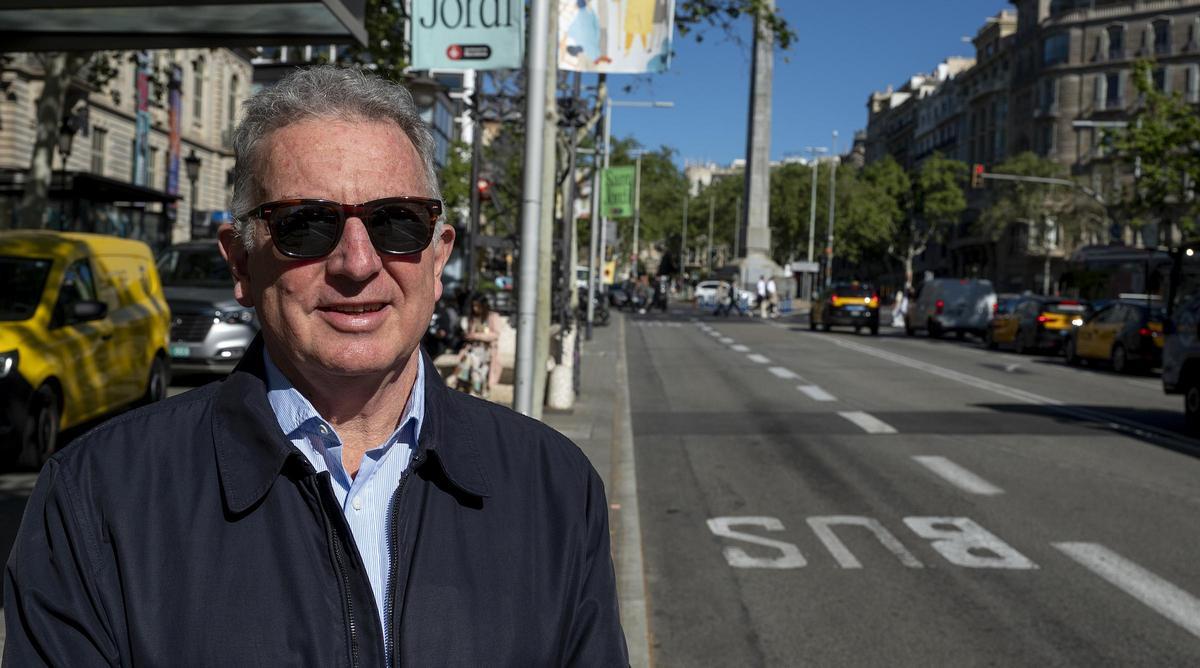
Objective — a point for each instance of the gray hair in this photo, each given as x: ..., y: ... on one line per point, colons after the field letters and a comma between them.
x: 325, y: 92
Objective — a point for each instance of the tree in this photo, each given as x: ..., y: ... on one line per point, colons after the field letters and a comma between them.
x: 1052, y: 213
x: 1162, y: 146
x: 938, y: 205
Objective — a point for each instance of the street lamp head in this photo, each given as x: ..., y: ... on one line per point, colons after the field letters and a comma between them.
x: 192, y: 163
x: 66, y: 136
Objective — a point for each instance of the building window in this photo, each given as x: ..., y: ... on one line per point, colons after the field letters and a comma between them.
x: 1056, y: 49
x: 1159, y: 78
x: 1112, y: 85
x: 1162, y: 37
x: 151, y: 164
x: 231, y: 118
x: 1116, y: 42
x: 1192, y: 91
x: 1048, y: 95
x: 99, y: 144
x: 1046, y: 139
x: 198, y: 90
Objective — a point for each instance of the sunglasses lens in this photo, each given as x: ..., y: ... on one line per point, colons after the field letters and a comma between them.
x: 400, y: 228
x: 305, y: 230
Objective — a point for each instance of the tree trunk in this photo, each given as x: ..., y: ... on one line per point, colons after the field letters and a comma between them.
x: 59, y: 69
x: 908, y: 269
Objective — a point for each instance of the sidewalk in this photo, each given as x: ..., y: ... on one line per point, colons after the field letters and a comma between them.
x: 599, y: 424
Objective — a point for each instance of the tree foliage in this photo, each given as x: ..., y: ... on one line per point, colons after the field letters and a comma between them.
x: 1161, y: 146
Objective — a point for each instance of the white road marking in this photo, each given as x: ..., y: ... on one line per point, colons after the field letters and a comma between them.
x: 1010, y: 368
x: 1163, y: 597
x: 958, y: 476
x: 821, y: 527
x: 790, y: 556
x: 726, y: 340
x: 755, y: 357
x: 815, y: 393
x: 964, y: 543
x: 780, y: 372
x: 739, y: 348
x: 868, y: 423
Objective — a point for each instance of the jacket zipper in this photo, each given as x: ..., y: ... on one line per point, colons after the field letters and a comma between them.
x: 393, y: 551
x: 347, y: 603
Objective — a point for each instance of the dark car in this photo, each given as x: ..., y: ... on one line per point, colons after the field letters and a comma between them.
x: 846, y: 305
x: 1126, y: 333
x: 210, y: 331
x: 1035, y: 323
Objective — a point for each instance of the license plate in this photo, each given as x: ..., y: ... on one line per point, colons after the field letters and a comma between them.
x: 181, y: 351
x: 855, y: 307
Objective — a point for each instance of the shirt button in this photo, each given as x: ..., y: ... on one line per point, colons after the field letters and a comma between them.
x: 358, y: 503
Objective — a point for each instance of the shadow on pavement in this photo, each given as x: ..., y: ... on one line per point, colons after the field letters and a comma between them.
x: 1161, y: 428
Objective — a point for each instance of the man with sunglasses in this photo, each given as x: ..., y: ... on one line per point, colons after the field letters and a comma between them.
x: 331, y: 502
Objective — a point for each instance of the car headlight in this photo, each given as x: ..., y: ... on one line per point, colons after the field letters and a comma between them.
x: 241, y: 316
x: 8, y: 362
x: 1078, y: 322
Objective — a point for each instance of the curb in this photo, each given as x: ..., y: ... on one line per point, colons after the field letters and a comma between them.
x: 631, y: 577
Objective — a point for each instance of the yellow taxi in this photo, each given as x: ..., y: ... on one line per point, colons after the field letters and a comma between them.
x: 1127, y: 333
x: 1034, y: 323
x: 850, y: 304
x: 83, y: 330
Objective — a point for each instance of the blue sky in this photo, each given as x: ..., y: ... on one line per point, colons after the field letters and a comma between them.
x: 845, y: 50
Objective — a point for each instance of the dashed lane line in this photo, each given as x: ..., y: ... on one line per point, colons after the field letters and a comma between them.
x: 958, y: 476
x: 816, y: 393
x: 1117, y: 424
x: 780, y: 372
x: 868, y: 423
x: 1161, y: 596
x: 739, y: 348
x: 759, y: 359
x: 726, y: 340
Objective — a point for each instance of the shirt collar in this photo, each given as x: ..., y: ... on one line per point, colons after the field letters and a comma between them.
x: 295, y: 413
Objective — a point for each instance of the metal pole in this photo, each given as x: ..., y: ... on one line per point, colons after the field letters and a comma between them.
x: 637, y: 212
x: 568, y: 231
x: 683, y: 240
x: 607, y: 149
x: 531, y: 205
x: 708, y: 260
x: 832, y: 204
x: 737, y: 228
x: 812, y: 227
x: 593, y: 246
x: 476, y: 151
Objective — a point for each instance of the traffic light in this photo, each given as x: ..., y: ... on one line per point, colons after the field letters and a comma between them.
x: 977, y: 176
x: 484, y: 187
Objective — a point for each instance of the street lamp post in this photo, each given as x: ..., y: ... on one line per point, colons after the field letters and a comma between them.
x: 812, y: 215
x: 192, y: 163
x: 833, y: 164
x: 637, y: 212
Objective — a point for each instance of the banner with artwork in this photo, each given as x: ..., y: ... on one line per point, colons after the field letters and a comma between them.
x: 615, y: 36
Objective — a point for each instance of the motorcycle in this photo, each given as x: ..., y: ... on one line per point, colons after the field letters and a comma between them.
x: 600, y: 313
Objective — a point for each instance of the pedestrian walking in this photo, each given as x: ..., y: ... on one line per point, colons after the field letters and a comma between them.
x: 899, y: 309
x: 761, y: 293
x: 331, y: 502
x: 772, y: 298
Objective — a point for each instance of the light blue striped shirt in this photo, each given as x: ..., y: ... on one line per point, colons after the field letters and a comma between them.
x: 366, y: 497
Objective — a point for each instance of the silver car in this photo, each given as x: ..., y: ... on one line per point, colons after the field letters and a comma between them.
x: 958, y: 305
x: 210, y: 331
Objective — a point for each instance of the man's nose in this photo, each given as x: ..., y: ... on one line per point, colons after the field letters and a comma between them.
x: 354, y: 256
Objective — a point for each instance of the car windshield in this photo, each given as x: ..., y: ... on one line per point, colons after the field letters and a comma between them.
x: 196, y: 267
x: 852, y: 290
x: 23, y: 280
x: 1069, y: 308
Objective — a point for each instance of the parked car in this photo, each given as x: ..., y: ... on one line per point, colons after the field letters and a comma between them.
x: 1181, y: 347
x: 1127, y: 333
x: 83, y: 332
x: 846, y: 305
x: 952, y: 305
x: 210, y: 331
x: 1035, y: 323
x: 706, y: 293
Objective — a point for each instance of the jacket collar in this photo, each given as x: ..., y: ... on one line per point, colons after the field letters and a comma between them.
x: 251, y: 450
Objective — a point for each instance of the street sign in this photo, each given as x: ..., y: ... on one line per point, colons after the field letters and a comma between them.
x: 617, y: 192
x: 456, y: 35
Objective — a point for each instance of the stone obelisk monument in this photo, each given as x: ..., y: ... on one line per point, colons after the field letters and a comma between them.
x: 755, y: 235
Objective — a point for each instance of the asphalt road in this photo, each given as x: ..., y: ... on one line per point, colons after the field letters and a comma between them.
x: 834, y: 499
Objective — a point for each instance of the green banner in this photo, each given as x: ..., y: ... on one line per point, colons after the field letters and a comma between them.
x: 617, y: 192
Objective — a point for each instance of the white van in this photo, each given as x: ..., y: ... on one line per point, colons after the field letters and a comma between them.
x: 959, y: 305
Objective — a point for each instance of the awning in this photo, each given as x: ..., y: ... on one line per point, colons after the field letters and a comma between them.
x: 87, y: 25
x: 85, y: 186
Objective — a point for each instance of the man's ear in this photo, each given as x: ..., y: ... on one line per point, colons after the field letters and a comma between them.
x: 234, y: 252
x: 444, y: 245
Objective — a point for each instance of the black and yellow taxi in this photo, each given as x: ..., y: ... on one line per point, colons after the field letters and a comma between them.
x: 83, y: 331
x: 852, y: 304
x: 1127, y: 333
x: 1035, y: 323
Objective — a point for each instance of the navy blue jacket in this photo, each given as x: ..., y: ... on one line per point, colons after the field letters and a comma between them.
x: 191, y: 532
